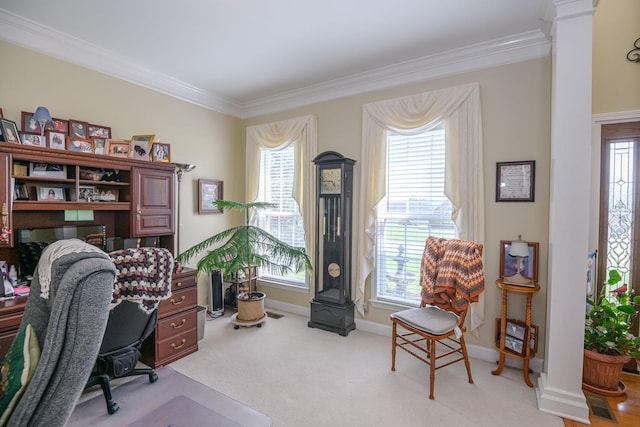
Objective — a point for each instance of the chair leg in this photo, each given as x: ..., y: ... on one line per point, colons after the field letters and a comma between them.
x: 112, y: 407
x: 466, y: 358
x: 432, y: 366
x: 393, y: 346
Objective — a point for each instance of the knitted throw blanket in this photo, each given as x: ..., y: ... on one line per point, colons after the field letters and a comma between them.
x: 451, y: 274
x: 144, y: 276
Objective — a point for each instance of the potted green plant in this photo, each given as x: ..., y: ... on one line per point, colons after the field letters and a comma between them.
x: 237, y: 250
x: 608, y: 341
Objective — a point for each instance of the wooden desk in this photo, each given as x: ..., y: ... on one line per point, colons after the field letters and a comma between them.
x: 11, y: 311
x: 528, y: 291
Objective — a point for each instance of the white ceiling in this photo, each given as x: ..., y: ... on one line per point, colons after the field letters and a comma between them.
x: 250, y: 57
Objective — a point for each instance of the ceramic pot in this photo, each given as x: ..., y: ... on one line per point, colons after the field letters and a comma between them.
x: 601, y: 373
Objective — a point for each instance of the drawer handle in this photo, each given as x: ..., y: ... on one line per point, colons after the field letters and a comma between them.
x: 175, y: 347
x: 174, y: 326
x: 174, y: 302
x: 179, y: 284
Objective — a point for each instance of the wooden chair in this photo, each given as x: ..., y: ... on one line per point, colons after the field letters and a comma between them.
x: 421, y: 329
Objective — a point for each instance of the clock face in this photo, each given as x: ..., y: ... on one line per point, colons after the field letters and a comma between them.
x: 334, y: 270
x: 331, y: 180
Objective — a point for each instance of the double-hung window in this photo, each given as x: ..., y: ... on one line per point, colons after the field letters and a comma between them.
x: 413, y: 208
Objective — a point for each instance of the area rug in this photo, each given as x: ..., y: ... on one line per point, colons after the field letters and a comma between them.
x: 174, y: 399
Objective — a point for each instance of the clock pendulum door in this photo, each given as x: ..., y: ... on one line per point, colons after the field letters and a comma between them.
x: 332, y: 308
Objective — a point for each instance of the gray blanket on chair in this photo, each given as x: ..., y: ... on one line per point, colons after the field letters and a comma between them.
x: 70, y: 325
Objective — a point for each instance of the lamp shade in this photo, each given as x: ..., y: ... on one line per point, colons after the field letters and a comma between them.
x: 519, y: 248
x: 42, y: 115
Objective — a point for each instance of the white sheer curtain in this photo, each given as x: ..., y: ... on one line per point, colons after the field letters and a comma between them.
x: 459, y: 107
x: 302, y: 133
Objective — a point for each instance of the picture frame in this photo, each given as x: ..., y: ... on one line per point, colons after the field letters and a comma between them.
x: 86, y: 193
x: 118, y: 147
x: 9, y: 131
x: 33, y: 139
x: 80, y: 145
x: 48, y: 170
x: 508, y: 263
x: 208, y: 192
x: 147, y: 138
x: 160, y: 152
x: 515, y: 181
x: 20, y: 191
x: 514, y: 342
x: 97, y: 131
x: 56, y: 140
x: 50, y: 194
x: 140, y: 149
x: 99, y: 145
x: 106, y: 195
x: 78, y: 129
x: 58, y: 125
x: 29, y: 125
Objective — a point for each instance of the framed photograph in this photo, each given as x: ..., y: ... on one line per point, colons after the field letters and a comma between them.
x: 78, y: 129
x: 80, y: 145
x: 9, y: 131
x: 160, y: 152
x: 106, y: 195
x: 56, y: 140
x: 140, y: 149
x: 20, y: 191
x: 515, y: 343
x: 515, y: 181
x: 508, y: 263
x: 96, y: 131
x: 208, y: 192
x: 29, y: 124
x: 86, y: 193
x: 48, y: 170
x: 146, y: 138
x: 51, y: 194
x: 118, y: 147
x: 59, y: 125
x: 33, y: 139
x: 99, y: 145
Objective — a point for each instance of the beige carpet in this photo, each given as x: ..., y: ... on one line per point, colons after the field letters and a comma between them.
x: 300, y: 376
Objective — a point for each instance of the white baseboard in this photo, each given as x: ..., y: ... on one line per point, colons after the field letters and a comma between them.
x: 475, y: 351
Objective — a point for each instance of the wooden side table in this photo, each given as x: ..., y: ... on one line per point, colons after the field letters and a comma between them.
x: 528, y: 291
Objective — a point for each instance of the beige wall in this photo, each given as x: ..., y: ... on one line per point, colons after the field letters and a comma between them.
x: 516, y: 126
x: 211, y: 141
x: 616, y: 81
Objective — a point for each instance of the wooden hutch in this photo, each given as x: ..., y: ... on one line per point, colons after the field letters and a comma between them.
x: 140, y: 205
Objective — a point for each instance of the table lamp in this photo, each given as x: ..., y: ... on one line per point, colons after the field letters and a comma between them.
x: 519, y: 249
x: 42, y: 117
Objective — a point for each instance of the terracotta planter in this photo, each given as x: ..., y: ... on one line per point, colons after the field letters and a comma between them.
x: 601, y: 373
x: 251, y: 309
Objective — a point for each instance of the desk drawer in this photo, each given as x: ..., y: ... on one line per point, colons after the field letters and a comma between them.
x: 174, y: 347
x: 180, y: 300
x: 176, y: 324
x: 181, y: 281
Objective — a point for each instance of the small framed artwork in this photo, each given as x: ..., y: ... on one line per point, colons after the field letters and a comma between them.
x: 515, y: 181
x: 48, y: 170
x: 56, y: 140
x: 208, y: 193
x: 9, y: 131
x: 20, y: 191
x: 86, y: 193
x: 51, y: 194
x: 29, y: 124
x: 59, y: 125
x: 160, y: 152
x: 80, y: 145
x: 146, y: 138
x: 78, y: 129
x: 99, y: 145
x: 118, y: 147
x: 140, y: 149
x: 33, y: 139
x: 96, y: 131
x: 509, y: 264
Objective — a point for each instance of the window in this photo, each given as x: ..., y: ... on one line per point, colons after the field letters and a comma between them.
x: 283, y: 220
x: 413, y: 208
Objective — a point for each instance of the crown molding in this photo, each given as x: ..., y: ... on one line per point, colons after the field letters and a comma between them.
x: 29, y: 34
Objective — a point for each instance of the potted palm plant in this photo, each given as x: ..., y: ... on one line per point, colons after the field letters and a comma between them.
x: 237, y: 251
x: 608, y: 341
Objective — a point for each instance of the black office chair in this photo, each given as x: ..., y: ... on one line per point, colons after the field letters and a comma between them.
x: 143, y: 280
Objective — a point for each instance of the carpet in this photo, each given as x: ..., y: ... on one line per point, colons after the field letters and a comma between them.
x: 174, y: 399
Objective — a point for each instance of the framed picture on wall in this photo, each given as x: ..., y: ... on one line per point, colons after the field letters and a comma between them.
x: 508, y: 263
x: 208, y: 192
x: 515, y: 181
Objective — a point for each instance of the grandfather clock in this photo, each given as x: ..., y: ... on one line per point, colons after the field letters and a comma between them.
x: 332, y: 308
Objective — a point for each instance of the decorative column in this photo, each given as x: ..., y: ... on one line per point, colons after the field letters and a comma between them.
x: 560, y: 384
